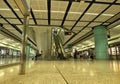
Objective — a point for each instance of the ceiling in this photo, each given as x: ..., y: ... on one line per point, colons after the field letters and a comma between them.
x: 78, y: 17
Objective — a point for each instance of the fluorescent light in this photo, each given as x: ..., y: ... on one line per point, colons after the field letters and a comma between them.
x: 91, y: 13
x: 98, y: 14
x: 73, y: 12
x: 108, y: 14
x: 7, y: 9
x: 40, y: 10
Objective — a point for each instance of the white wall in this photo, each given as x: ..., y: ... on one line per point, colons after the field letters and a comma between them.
x: 43, y: 39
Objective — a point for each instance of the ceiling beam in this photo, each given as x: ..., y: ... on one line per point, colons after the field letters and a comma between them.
x: 66, y: 13
x: 49, y: 10
x: 10, y: 34
x: 82, y: 15
x: 6, y: 2
x: 77, y: 22
x: 98, y: 16
x: 92, y: 20
x: 20, y: 31
x: 33, y: 16
x: 14, y: 26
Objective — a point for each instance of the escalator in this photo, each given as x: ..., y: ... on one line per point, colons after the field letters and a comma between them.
x: 59, y: 50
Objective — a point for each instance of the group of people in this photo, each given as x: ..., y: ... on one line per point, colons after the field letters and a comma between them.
x: 90, y: 54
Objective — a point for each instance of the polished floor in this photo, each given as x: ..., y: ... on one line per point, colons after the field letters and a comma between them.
x: 64, y: 72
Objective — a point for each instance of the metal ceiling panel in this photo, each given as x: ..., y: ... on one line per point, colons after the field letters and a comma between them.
x: 82, y: 23
x: 43, y: 22
x: 94, y: 24
x: 14, y: 21
x: 8, y: 27
x: 79, y: 28
x: 15, y: 32
x: 79, y: 35
x: 56, y: 23
x: 114, y: 9
x: 105, y: 23
x: 20, y: 27
x: 42, y: 15
x: 2, y: 20
x: 37, y: 14
x: 69, y: 23
x: 15, y: 8
x: 57, y: 16
x: 115, y: 31
x: 39, y: 4
x: 78, y: 7
x: 31, y: 21
x: 57, y: 10
x: 97, y: 8
x: 19, y: 13
x: 72, y: 16
x: 68, y: 27
x: 7, y: 13
x: 2, y: 5
x: 102, y: 18
x: 58, y: 5
x: 114, y: 18
x: 76, y: 31
x: 88, y: 17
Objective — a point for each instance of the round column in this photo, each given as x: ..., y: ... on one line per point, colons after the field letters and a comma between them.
x: 101, y: 42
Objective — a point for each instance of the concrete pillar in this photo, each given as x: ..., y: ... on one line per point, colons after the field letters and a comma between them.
x: 24, y: 44
x: 28, y: 52
x: 101, y: 42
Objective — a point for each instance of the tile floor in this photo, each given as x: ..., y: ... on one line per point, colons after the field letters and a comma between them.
x: 64, y: 72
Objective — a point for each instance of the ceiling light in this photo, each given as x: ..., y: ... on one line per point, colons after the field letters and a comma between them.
x: 108, y: 14
x: 6, y: 9
x: 91, y: 13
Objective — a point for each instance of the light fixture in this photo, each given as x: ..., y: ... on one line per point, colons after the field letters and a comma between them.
x: 24, y: 6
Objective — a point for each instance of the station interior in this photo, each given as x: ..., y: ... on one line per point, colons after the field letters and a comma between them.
x: 59, y: 41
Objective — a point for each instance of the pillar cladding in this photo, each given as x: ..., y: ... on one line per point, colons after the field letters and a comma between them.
x: 101, y: 42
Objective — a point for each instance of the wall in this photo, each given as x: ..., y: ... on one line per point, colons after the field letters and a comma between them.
x: 43, y: 39
x: 31, y: 33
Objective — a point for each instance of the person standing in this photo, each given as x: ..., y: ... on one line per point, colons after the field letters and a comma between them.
x: 75, y: 54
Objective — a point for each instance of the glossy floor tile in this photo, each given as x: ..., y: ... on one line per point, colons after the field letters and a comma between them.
x: 64, y: 72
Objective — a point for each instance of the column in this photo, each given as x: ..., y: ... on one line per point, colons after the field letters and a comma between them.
x: 101, y: 42
x: 24, y: 44
x: 28, y: 52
